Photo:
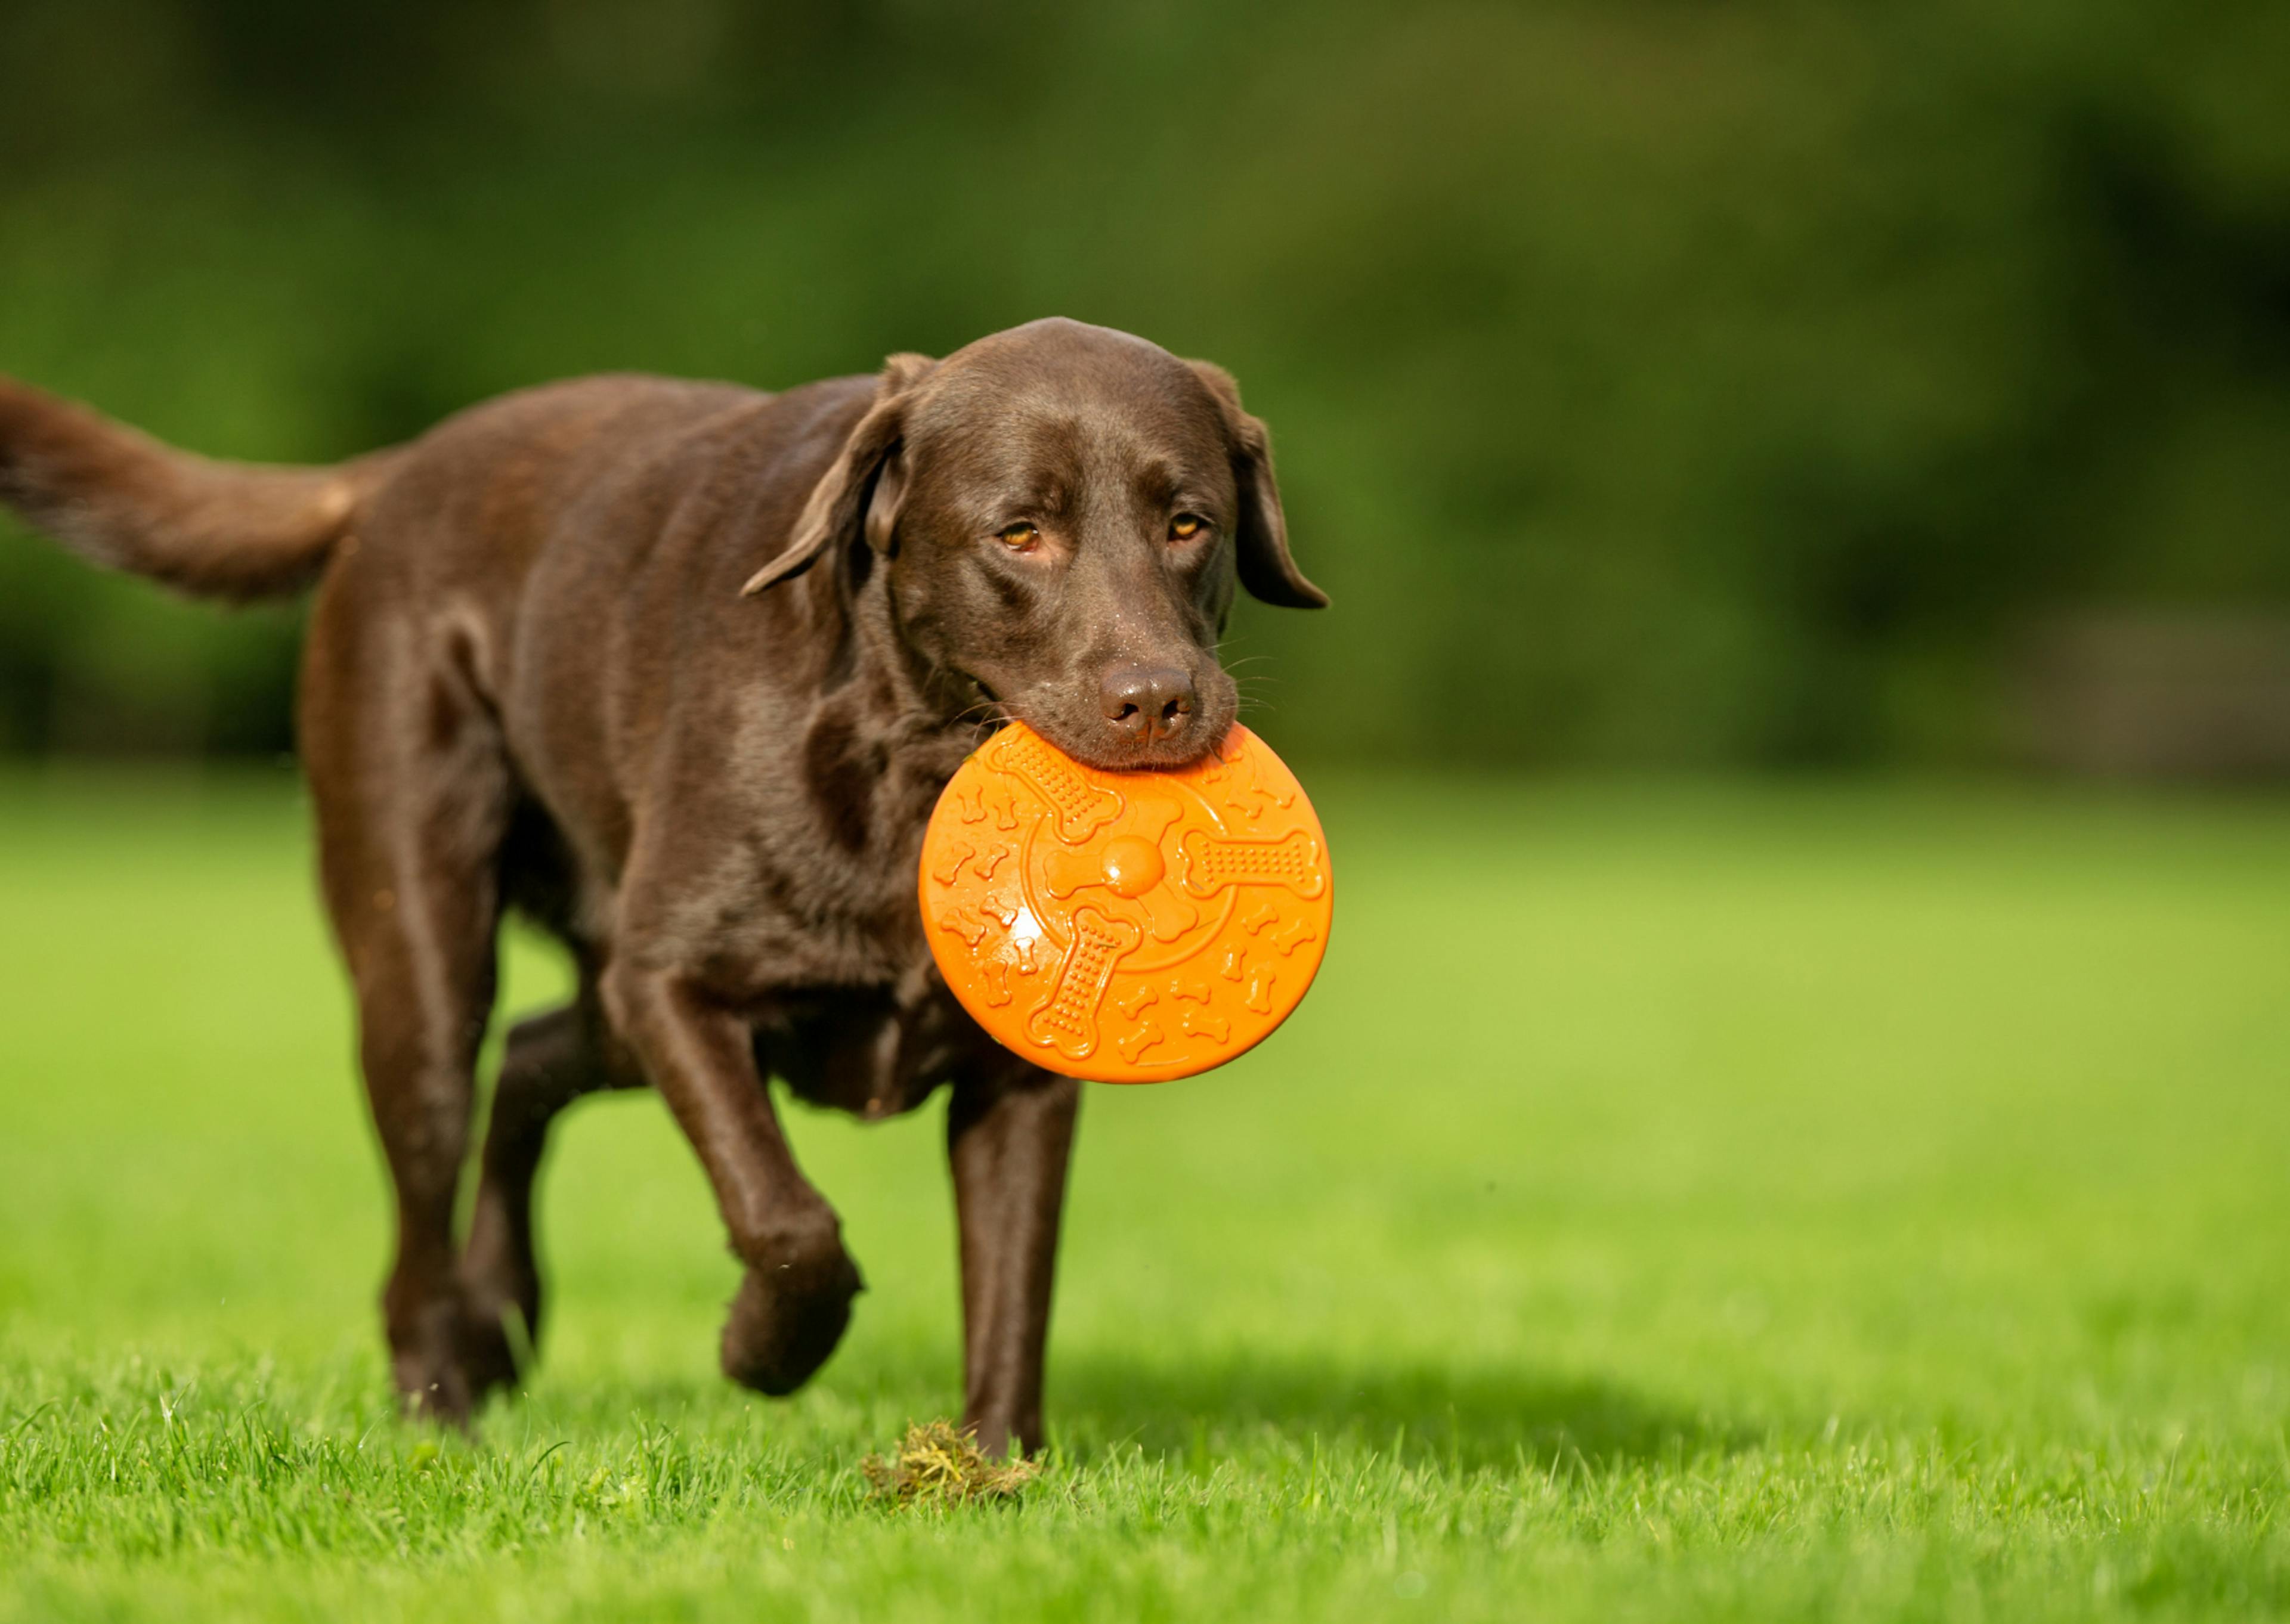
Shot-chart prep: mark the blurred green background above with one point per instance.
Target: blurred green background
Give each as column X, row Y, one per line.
column 1654, row 383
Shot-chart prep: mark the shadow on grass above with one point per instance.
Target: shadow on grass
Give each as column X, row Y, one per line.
column 1459, row 1417
column 1462, row 1417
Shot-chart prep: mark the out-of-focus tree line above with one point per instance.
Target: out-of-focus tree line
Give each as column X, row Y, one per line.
column 1652, row 382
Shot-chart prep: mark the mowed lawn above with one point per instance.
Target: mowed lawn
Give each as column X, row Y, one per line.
column 1760, row 1203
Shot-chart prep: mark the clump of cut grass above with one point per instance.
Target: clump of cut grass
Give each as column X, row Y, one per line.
column 940, row 1464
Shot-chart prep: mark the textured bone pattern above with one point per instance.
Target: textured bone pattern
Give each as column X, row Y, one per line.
column 1292, row 860
column 1082, row 807
column 1070, row 1018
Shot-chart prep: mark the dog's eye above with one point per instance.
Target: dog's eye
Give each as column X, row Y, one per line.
column 1185, row 526
column 1022, row 537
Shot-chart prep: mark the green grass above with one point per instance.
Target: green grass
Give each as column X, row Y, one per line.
column 1789, row 1203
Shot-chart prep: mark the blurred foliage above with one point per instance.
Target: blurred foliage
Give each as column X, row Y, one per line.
column 1654, row 383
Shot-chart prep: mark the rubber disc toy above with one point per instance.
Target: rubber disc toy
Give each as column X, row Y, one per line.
column 1125, row 927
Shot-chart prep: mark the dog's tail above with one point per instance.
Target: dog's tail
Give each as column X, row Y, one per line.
column 229, row 530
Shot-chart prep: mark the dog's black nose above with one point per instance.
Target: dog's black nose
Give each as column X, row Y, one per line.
column 1145, row 704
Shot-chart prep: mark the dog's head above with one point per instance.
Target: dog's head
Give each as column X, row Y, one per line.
column 1063, row 510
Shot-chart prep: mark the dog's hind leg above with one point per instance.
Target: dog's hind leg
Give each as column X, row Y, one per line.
column 412, row 788
column 550, row 1060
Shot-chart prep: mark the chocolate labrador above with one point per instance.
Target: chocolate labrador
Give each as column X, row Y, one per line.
column 678, row 670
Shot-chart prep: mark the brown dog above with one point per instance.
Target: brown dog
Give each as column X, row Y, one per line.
column 679, row 669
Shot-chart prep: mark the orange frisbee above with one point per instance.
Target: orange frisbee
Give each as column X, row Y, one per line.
column 1125, row 927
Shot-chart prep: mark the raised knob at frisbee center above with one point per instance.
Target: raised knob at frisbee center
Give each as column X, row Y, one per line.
column 1131, row 865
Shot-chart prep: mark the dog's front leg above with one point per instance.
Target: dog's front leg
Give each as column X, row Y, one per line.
column 1008, row 1137
column 796, row 1300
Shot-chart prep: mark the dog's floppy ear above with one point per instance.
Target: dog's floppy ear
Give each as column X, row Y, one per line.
column 858, row 493
column 1261, row 545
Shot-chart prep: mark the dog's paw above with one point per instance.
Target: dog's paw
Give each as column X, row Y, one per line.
column 425, row 1362
column 446, row 1358
column 787, row 1317
column 489, row 1351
